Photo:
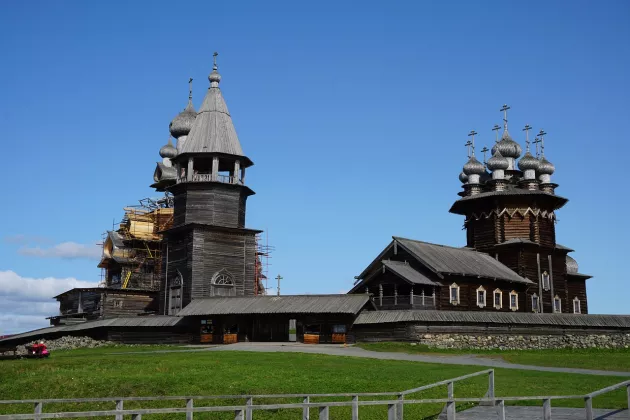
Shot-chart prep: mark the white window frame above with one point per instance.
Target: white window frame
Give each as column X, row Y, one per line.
column 557, row 300
column 450, row 294
column 515, row 306
column 494, row 299
column 485, row 297
column 535, row 298
column 579, row 305
column 546, row 280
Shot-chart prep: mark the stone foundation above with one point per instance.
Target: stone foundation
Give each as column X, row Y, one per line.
column 523, row 342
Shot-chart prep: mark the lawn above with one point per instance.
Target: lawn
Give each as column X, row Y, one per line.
column 601, row 359
column 97, row 373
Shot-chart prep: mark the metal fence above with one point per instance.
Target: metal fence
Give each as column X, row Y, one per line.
column 245, row 411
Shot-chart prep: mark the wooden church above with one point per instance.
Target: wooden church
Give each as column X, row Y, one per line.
column 511, row 261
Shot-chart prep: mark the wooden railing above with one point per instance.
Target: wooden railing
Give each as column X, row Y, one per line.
column 405, row 302
column 245, row 411
column 225, row 179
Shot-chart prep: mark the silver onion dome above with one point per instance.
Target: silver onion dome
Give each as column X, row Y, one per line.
column 527, row 162
column 545, row 167
column 572, row 265
column 474, row 167
column 507, row 146
column 183, row 122
column 168, row 150
column 497, row 161
column 463, row 178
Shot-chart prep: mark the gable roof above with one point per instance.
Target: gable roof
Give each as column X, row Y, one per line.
column 290, row 304
column 213, row 130
column 459, row 261
column 407, row 272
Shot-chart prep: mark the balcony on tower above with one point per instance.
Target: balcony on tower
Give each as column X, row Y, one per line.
column 224, row 169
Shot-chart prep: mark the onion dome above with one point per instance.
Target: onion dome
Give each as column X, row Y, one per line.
column 183, row 122
column 497, row 161
column 545, row 167
column 474, row 167
column 572, row 265
column 528, row 162
column 508, row 147
column 463, row 178
column 168, row 150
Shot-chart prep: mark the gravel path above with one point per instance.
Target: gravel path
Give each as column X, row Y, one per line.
column 337, row 350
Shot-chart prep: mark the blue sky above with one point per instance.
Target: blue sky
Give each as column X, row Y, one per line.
column 355, row 116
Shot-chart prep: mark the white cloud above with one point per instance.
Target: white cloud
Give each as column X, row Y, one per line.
column 25, row 302
column 66, row 250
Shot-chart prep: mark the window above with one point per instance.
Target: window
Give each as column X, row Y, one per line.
column 118, row 303
column 498, row 299
column 513, row 300
column 535, row 303
column 223, row 284
column 339, row 329
column 557, row 304
column 175, row 294
column 454, row 294
column 481, row 297
column 545, row 280
column 577, row 309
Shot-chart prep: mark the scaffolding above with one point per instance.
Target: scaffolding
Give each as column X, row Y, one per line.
column 263, row 253
column 132, row 249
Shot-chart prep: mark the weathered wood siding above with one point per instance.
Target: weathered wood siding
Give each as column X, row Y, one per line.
column 210, row 203
column 468, row 294
column 577, row 288
column 120, row 304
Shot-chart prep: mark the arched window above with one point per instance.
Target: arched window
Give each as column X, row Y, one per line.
column 223, row 284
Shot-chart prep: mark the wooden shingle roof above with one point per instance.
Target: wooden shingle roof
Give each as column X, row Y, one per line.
column 298, row 304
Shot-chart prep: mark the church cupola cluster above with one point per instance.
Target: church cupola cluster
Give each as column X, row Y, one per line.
column 507, row 172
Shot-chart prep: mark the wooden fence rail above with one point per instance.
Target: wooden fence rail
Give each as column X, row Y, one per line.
column 246, row 410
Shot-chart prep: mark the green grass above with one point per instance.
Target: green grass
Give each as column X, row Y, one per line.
column 96, row 373
column 601, row 359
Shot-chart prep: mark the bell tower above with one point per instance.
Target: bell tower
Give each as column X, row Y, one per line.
column 208, row 251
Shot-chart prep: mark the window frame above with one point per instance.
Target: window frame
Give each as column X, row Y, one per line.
column 494, row 299
column 545, row 278
column 536, row 298
column 452, row 287
column 481, row 289
column 557, row 300
column 579, row 305
column 515, row 306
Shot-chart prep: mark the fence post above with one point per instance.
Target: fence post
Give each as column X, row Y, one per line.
column 547, row 409
column 400, row 408
column 38, row 410
column 305, row 410
column 323, row 413
column 355, row 407
column 588, row 405
column 248, row 410
column 491, row 387
column 450, row 405
column 391, row 411
column 189, row 406
column 501, row 409
column 239, row 414
column 628, row 392
column 119, row 406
